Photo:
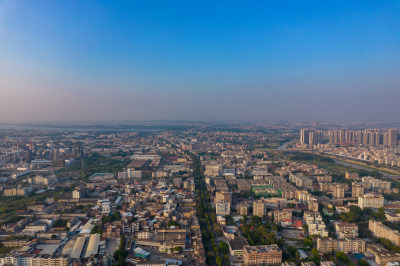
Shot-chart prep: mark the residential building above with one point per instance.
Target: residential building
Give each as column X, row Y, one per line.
column 346, row 245
column 357, row 190
column 382, row 255
column 392, row 137
column 77, row 194
column 301, row 180
column 376, row 183
column 263, row 254
column 380, row 230
column 370, row 201
column 282, row 216
column 338, row 190
column 324, row 179
column 290, row 263
column 236, row 246
column 344, row 229
column 243, row 209
column 212, row 170
column 327, row 263
column 259, row 208
column 351, row 245
column 315, row 224
column 172, row 235
column 223, row 208
column 327, row 245
column 223, row 196
column 351, row 175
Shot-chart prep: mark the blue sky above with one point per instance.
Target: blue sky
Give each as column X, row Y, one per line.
column 199, row 60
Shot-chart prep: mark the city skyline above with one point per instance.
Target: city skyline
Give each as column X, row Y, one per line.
column 129, row 61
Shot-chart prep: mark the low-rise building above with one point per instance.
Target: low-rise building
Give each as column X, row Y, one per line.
column 382, row 255
column 172, row 235
column 357, row 190
column 344, row 229
column 263, row 254
column 327, row 245
column 351, row 245
column 236, row 246
column 346, row 245
column 315, row 224
column 282, row 216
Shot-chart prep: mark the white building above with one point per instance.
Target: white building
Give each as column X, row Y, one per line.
column 77, row 194
column 316, row 225
column 223, row 208
column 370, row 201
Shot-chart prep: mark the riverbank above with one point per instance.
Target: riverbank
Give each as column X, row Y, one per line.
column 360, row 165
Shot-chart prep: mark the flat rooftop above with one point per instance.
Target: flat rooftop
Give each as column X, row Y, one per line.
column 238, row 243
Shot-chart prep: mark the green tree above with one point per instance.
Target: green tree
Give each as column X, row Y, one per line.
column 315, row 254
column 381, row 214
column 305, row 227
column 244, row 220
column 308, row 242
column 121, row 253
column 292, row 251
column 218, row 260
column 96, row 230
column 363, row 263
column 60, row 223
column 389, row 245
column 223, row 247
column 229, row 220
column 341, row 256
column 173, row 223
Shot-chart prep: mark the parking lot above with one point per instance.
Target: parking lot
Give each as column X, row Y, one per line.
column 112, row 245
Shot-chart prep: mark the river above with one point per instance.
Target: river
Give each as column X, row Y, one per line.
column 284, row 145
column 360, row 167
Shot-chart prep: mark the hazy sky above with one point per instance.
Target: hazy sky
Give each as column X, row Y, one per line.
column 199, row 60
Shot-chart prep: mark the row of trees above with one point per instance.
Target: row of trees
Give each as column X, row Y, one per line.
column 222, row 254
column 60, row 223
column 121, row 253
column 389, row 245
column 204, row 212
column 216, row 253
column 96, row 230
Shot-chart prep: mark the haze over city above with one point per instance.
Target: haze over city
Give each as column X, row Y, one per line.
column 184, row 60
